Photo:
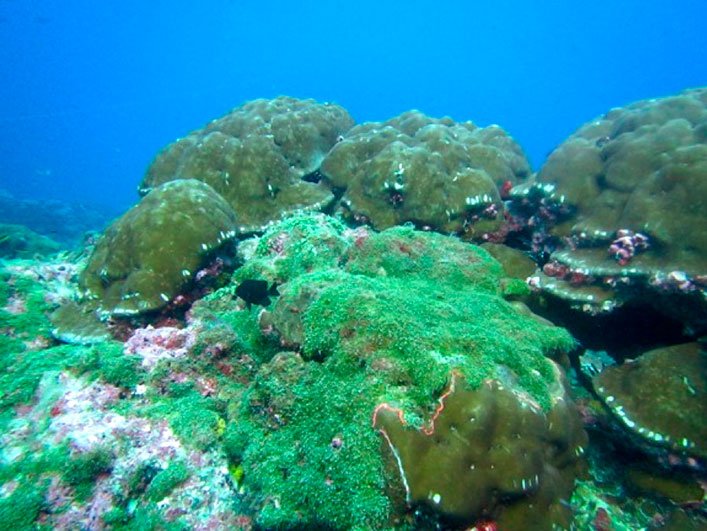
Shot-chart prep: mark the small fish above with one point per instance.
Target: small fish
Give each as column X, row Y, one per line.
column 256, row 292
column 592, row 362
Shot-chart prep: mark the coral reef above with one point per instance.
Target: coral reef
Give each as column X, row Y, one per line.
column 260, row 157
column 436, row 173
column 154, row 250
column 328, row 374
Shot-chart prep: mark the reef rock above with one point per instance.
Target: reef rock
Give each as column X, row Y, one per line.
column 261, row 157
column 436, row 173
column 153, row 251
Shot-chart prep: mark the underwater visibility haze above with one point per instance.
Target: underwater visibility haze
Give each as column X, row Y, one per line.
column 353, row 265
column 91, row 92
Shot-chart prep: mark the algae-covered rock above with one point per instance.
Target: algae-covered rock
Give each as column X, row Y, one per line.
column 24, row 305
column 659, row 399
column 633, row 183
column 393, row 320
column 17, row 241
column 259, row 157
column 153, row 251
column 436, row 173
column 296, row 246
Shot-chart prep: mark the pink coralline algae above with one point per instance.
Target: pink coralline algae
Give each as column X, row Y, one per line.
column 55, row 277
column 155, row 344
column 74, row 411
column 626, row 245
column 212, row 270
column 82, row 417
column 15, row 305
column 679, row 281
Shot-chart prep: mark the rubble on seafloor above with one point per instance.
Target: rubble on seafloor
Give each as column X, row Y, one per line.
column 318, row 372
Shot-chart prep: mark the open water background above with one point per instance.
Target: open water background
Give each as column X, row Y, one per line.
column 91, row 90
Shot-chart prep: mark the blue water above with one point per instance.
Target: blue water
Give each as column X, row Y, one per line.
column 91, row 90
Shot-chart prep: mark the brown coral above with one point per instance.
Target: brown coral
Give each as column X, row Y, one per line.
column 260, row 157
column 436, row 173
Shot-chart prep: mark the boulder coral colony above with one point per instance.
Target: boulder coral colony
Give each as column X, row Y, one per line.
column 306, row 323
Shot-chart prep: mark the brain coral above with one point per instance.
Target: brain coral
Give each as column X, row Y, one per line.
column 149, row 254
column 433, row 172
column 258, row 157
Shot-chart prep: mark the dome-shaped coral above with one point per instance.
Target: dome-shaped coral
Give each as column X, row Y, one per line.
column 149, row 254
column 259, row 157
column 436, row 173
column 634, row 183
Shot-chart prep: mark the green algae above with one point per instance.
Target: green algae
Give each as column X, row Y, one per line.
column 401, row 321
column 28, row 321
column 297, row 245
column 195, row 419
column 403, row 252
column 32, row 475
column 292, row 415
column 136, row 503
column 225, row 322
column 19, row 510
column 33, row 465
column 24, row 370
column 166, row 481
column 82, row 470
column 389, row 319
column 108, row 362
column 145, row 516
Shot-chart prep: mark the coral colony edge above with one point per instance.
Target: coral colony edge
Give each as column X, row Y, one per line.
column 307, row 323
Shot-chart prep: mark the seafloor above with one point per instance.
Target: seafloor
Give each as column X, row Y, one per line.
column 307, row 323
